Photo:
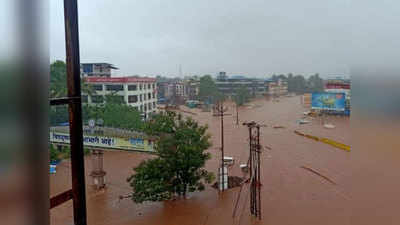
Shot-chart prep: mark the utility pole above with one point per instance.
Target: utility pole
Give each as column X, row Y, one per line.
column 220, row 112
column 255, row 175
column 237, row 115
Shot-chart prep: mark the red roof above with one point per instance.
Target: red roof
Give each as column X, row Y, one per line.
column 119, row 79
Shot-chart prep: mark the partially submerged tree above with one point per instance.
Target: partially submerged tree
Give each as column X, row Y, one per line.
column 208, row 90
column 242, row 95
column 179, row 165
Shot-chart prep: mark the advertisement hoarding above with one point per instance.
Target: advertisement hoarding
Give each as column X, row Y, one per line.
column 328, row 101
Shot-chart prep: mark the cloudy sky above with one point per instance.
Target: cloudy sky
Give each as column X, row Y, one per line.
column 252, row 37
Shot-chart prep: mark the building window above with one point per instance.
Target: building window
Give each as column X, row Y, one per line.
column 149, row 96
column 84, row 98
column 149, row 106
column 132, row 98
column 116, row 98
column 144, row 86
column 149, row 86
column 154, row 104
column 141, row 99
column 140, row 86
column 144, row 97
column 154, row 86
column 145, row 107
column 153, row 95
column 97, row 99
column 115, row 87
column 98, row 87
column 141, row 108
column 132, row 87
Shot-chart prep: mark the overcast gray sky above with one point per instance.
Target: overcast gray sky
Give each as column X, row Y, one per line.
column 249, row 37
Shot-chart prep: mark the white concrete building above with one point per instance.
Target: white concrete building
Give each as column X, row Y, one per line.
column 139, row 92
column 278, row 88
column 97, row 69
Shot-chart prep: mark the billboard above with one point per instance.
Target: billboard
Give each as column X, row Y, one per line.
column 328, row 101
column 129, row 143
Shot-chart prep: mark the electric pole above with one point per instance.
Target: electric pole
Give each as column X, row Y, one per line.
column 220, row 110
column 237, row 115
column 255, row 175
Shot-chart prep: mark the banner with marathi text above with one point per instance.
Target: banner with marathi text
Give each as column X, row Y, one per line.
column 129, row 143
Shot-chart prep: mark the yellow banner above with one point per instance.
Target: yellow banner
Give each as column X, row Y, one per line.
column 129, row 143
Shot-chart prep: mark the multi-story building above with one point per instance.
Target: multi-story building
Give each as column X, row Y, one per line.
column 97, row 69
column 338, row 85
column 229, row 85
column 139, row 92
column 192, row 89
column 175, row 92
column 277, row 88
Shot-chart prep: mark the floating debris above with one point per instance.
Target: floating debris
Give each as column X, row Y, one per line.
column 277, row 127
column 244, row 167
column 233, row 181
column 267, row 147
column 326, row 141
column 303, row 121
column 329, row 126
column 318, row 173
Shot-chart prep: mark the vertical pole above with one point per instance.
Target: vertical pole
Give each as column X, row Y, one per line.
column 237, row 115
column 251, row 170
column 258, row 172
column 222, row 144
column 75, row 111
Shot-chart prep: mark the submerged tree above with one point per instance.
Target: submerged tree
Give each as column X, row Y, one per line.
column 179, row 165
column 242, row 95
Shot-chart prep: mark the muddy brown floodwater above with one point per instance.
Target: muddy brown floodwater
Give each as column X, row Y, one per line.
column 363, row 192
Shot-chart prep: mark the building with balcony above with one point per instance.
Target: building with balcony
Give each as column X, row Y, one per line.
column 138, row 92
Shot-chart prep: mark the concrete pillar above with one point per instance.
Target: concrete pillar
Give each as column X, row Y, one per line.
column 98, row 174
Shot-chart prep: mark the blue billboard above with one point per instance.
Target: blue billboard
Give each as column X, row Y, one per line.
column 328, row 101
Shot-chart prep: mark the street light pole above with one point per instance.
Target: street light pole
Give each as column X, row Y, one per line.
column 221, row 110
column 237, row 115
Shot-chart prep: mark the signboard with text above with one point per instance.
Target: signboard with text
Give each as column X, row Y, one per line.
column 129, row 143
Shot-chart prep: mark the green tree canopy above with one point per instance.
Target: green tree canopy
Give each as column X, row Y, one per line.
column 179, row 166
column 315, row 83
column 114, row 112
column 242, row 95
column 208, row 90
column 58, row 79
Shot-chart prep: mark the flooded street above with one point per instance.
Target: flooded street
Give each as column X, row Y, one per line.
column 290, row 194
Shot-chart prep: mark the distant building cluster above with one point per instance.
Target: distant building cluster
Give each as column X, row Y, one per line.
column 230, row 85
column 145, row 93
column 176, row 91
column 255, row 86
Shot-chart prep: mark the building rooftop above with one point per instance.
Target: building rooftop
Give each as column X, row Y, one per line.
column 119, row 79
column 108, row 65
